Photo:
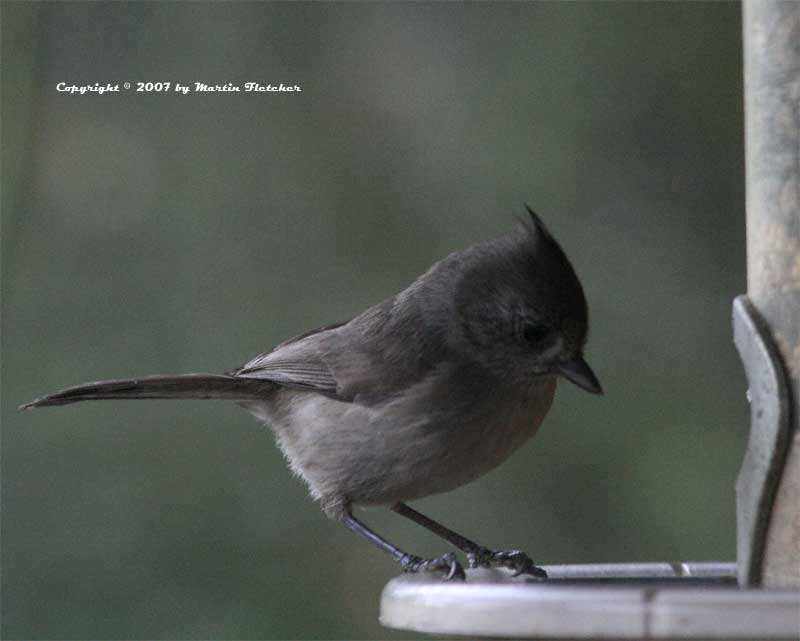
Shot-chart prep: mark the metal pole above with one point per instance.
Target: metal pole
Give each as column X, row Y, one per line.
column 772, row 142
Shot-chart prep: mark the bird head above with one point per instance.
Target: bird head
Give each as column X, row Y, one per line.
column 521, row 309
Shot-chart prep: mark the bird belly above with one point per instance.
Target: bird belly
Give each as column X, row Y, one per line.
column 350, row 453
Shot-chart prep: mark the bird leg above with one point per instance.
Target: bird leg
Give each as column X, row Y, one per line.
column 446, row 563
column 477, row 555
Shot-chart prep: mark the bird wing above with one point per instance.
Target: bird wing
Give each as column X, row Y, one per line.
column 296, row 363
column 367, row 360
column 297, row 374
column 379, row 354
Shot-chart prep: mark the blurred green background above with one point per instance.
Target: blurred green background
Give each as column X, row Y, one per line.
column 151, row 233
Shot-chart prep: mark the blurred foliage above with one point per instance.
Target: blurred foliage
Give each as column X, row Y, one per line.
column 168, row 233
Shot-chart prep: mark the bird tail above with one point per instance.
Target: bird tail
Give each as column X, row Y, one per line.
column 186, row 386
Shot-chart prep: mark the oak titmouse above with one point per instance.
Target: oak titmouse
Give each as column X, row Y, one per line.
column 419, row 394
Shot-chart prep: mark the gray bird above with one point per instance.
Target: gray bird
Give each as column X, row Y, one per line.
column 418, row 394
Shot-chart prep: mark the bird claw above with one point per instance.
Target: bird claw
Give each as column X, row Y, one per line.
column 446, row 563
column 515, row 560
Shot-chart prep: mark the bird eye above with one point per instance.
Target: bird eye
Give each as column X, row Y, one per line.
column 534, row 332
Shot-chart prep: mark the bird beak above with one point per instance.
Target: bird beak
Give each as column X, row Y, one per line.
column 578, row 371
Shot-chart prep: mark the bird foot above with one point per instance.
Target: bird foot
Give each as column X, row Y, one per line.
column 446, row 563
column 515, row 560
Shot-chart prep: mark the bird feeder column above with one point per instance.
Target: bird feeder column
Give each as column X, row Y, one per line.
column 772, row 142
